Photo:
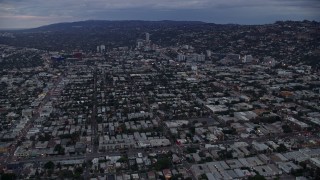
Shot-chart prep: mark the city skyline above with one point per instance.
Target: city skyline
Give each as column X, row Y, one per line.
column 35, row 13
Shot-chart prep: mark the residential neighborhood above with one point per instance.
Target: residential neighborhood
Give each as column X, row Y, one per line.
column 187, row 111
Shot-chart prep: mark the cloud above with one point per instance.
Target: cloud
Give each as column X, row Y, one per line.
column 68, row 10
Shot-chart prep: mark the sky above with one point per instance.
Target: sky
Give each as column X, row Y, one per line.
column 35, row 13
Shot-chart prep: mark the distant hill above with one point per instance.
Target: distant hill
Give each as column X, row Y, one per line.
column 86, row 35
column 104, row 24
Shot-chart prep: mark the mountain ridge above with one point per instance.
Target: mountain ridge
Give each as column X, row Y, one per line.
column 90, row 24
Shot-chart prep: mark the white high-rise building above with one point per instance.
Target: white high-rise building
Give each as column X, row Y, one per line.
column 139, row 43
column 269, row 61
column 181, row 57
column 98, row 48
column 201, row 57
column 209, row 53
column 102, row 48
column 147, row 37
column 247, row 59
column 186, row 47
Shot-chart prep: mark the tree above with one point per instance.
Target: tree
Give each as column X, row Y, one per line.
column 191, row 150
column 78, row 171
column 282, row 148
column 209, row 159
column 49, row 165
column 45, row 137
column 123, row 128
column 59, row 149
column 49, row 172
column 162, row 163
column 201, row 154
column 134, row 167
column 37, row 173
column 65, row 174
column 32, row 138
column 195, row 121
column 203, row 176
column 184, row 126
column 192, row 129
column 59, row 165
column 122, row 159
column 225, row 154
column 177, row 177
column 229, row 131
column 8, row 176
column 298, row 172
column 286, row 129
column 101, row 170
column 257, row 177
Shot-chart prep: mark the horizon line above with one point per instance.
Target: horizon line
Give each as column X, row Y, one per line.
column 205, row 22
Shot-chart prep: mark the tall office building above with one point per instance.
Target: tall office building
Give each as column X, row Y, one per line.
column 147, row 37
column 139, row 43
column 181, row 57
column 201, row 57
column 209, row 53
column 247, row 59
column 102, row 48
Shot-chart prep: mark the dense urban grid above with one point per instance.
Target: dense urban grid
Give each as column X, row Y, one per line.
column 179, row 101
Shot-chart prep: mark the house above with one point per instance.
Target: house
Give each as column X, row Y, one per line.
column 27, row 113
column 151, row 175
column 80, row 147
column 135, row 176
column 199, row 169
column 287, row 167
column 297, row 123
column 4, row 147
column 45, row 112
column 264, row 170
column 160, row 142
column 210, row 176
column 175, row 158
column 167, row 173
column 259, row 147
column 238, row 127
column 265, row 159
column 41, row 145
column 196, row 157
column 234, row 163
column 21, row 152
column 315, row 162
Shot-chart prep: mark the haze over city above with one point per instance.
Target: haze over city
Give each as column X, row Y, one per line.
column 35, row 13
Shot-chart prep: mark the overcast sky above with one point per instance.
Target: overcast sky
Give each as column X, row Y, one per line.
column 34, row 13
